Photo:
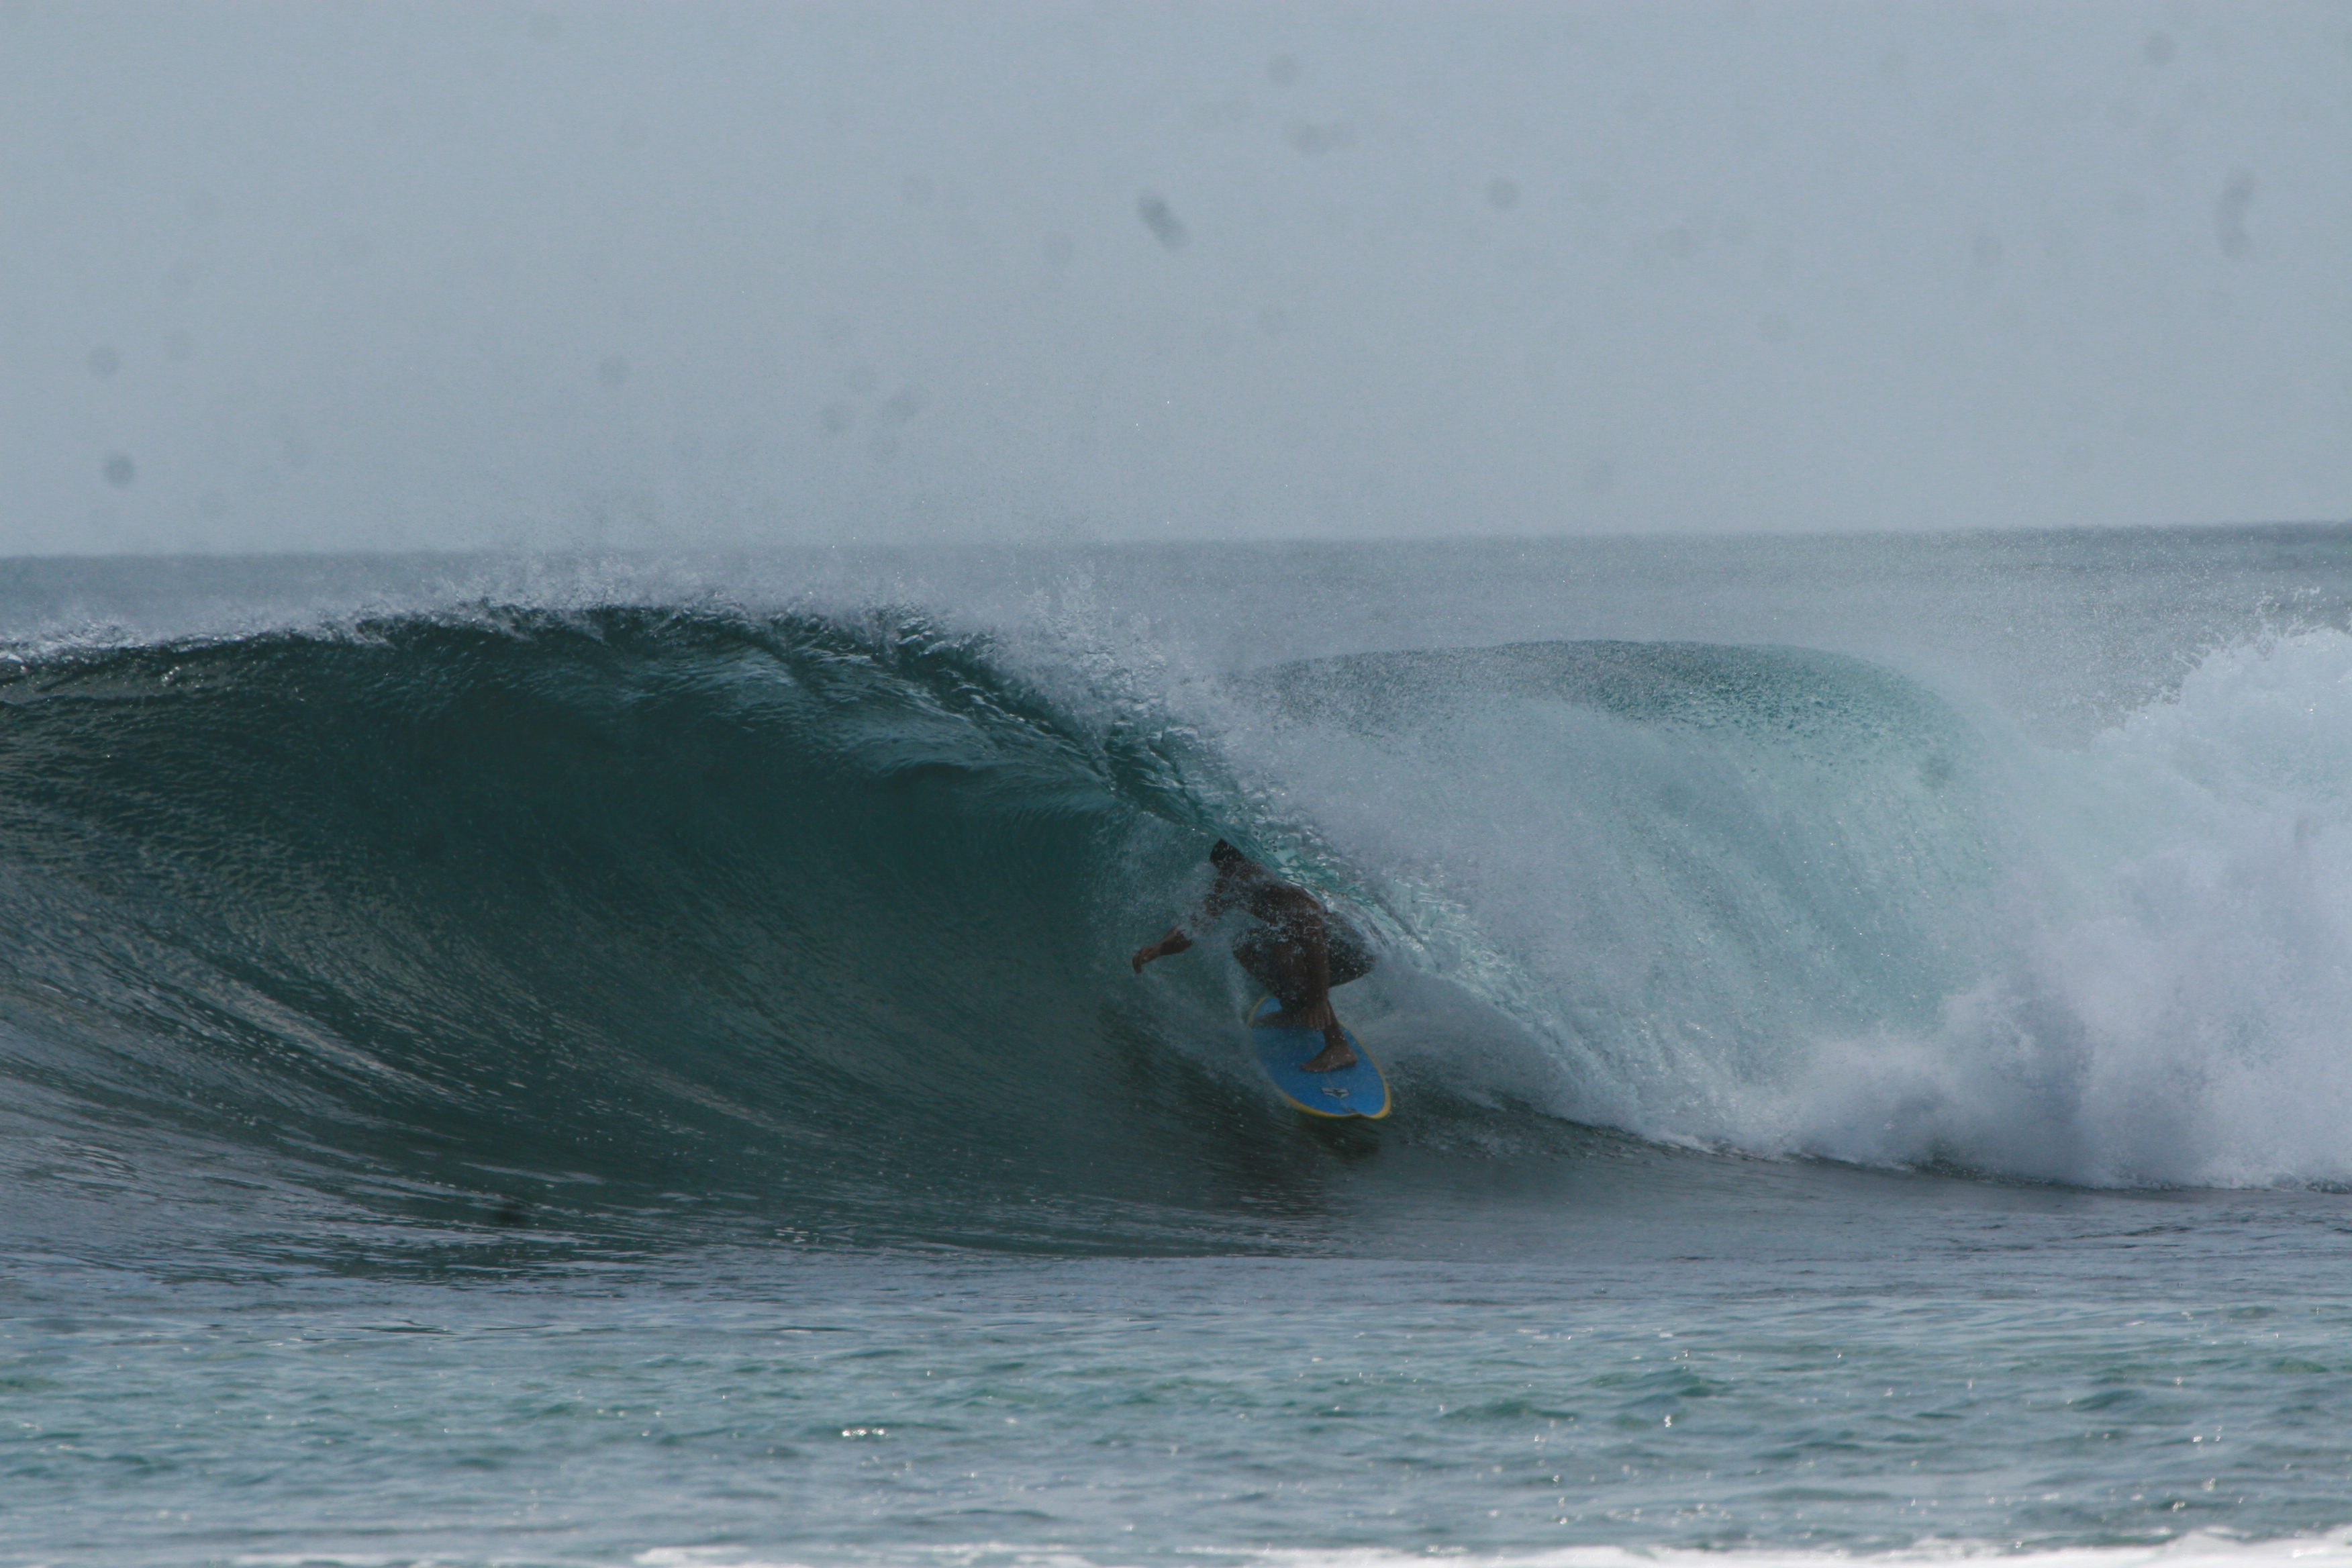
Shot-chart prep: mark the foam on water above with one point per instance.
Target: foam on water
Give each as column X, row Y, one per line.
column 2196, row 1549
column 2174, row 961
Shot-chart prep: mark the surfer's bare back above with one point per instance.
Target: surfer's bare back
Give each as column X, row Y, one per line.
column 1297, row 954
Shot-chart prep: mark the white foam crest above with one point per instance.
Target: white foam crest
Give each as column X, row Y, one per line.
column 2204, row 1551
column 2175, row 999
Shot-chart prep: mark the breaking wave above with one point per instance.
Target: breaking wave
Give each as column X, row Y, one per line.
column 820, row 924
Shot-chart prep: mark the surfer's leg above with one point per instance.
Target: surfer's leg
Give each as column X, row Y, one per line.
column 1347, row 957
column 1282, row 968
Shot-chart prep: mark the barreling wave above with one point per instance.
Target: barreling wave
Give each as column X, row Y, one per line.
column 623, row 907
column 820, row 924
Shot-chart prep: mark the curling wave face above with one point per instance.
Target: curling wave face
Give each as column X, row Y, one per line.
column 820, row 924
column 619, row 908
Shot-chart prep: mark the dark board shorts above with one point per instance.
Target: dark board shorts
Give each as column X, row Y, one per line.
column 1351, row 957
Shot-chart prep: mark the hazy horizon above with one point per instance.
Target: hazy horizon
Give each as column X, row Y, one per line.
column 455, row 277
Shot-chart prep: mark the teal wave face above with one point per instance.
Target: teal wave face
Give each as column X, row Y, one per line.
column 820, row 924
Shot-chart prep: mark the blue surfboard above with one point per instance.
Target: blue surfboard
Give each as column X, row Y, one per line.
column 1358, row 1091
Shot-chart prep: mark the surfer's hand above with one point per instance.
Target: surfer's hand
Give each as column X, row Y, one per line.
column 1174, row 942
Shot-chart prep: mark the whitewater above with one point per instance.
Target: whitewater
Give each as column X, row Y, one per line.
column 633, row 1059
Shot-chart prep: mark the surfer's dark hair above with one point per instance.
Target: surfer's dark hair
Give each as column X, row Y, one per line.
column 1223, row 854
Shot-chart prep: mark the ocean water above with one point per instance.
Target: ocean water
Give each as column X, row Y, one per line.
column 631, row 1060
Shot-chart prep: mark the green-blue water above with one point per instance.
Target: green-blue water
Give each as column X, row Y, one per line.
column 634, row 1061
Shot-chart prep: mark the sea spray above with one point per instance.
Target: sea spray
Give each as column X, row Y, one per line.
column 2172, row 1006
column 1787, row 902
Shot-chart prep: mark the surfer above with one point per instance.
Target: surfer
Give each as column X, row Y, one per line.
column 1299, row 954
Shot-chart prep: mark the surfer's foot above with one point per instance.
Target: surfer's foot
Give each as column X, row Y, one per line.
column 1330, row 1058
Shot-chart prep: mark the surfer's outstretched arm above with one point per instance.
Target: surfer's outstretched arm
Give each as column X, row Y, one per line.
column 1178, row 938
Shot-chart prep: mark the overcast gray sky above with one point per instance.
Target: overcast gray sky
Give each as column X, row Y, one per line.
column 328, row 276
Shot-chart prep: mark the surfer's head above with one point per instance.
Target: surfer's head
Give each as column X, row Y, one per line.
column 1224, row 857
